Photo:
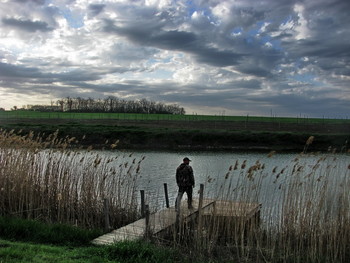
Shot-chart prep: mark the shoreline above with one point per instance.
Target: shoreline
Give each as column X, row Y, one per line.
column 147, row 136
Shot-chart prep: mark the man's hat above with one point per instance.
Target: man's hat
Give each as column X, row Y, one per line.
column 186, row 159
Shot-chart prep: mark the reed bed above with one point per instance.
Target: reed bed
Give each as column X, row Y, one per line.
column 305, row 214
column 45, row 177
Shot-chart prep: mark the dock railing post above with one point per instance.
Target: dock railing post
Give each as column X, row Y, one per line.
column 142, row 192
column 166, row 195
column 200, row 205
column 106, row 213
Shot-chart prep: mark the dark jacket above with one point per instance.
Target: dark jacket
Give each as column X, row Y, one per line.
column 184, row 175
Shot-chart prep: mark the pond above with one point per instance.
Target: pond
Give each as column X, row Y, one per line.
column 270, row 179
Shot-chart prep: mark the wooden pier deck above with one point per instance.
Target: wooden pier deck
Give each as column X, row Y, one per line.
column 166, row 218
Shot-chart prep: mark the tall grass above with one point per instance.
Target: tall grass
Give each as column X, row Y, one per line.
column 305, row 204
column 43, row 177
column 305, row 214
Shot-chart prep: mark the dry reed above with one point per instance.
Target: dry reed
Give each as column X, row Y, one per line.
column 305, row 204
column 304, row 217
column 43, row 177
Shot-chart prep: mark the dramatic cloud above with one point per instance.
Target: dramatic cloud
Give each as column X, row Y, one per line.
column 26, row 25
column 289, row 58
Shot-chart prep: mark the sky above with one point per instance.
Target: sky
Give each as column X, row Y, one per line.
column 281, row 58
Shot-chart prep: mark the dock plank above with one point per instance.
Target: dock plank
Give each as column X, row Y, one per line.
column 158, row 221
column 166, row 218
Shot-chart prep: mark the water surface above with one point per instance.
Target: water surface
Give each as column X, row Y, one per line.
column 272, row 179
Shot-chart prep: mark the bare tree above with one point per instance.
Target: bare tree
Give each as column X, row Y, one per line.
column 114, row 104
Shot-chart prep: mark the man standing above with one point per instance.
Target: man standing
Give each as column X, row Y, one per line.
column 185, row 182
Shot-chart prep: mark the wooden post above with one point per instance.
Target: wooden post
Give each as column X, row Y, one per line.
column 200, row 205
column 106, row 213
column 166, row 195
column 142, row 202
column 147, row 228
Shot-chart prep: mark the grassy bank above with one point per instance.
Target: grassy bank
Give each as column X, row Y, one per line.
column 175, row 138
column 174, row 132
column 20, row 114
column 32, row 241
column 126, row 252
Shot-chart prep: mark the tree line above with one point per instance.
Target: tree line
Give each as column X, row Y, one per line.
column 110, row 104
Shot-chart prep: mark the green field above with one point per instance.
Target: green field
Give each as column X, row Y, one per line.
column 174, row 132
column 159, row 117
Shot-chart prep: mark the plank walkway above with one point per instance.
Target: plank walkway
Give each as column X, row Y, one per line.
column 158, row 222
column 166, row 218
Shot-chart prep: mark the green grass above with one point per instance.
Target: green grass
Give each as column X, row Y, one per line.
column 126, row 252
column 13, row 228
column 33, row 241
column 160, row 117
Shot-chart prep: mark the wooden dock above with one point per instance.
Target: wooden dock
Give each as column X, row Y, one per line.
column 166, row 218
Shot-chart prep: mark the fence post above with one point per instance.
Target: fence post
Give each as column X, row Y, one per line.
column 166, row 195
column 106, row 214
column 142, row 202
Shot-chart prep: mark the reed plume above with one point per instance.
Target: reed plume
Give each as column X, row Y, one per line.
column 45, row 177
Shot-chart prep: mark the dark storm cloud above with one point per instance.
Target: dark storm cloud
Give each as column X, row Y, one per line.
column 79, row 75
column 30, row 78
column 329, row 32
column 252, row 84
column 152, row 35
column 211, row 56
column 95, row 9
column 296, row 105
column 320, row 48
column 27, row 25
column 38, row 2
column 78, row 78
column 11, row 71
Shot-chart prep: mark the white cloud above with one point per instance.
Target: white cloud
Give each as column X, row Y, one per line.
column 302, row 25
column 210, row 56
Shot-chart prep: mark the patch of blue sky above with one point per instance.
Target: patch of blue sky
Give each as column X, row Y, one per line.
column 152, row 61
column 255, row 30
column 301, row 62
column 307, row 78
column 160, row 74
column 276, row 44
column 287, row 20
column 74, row 20
column 192, row 7
column 273, row 43
column 255, row 35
